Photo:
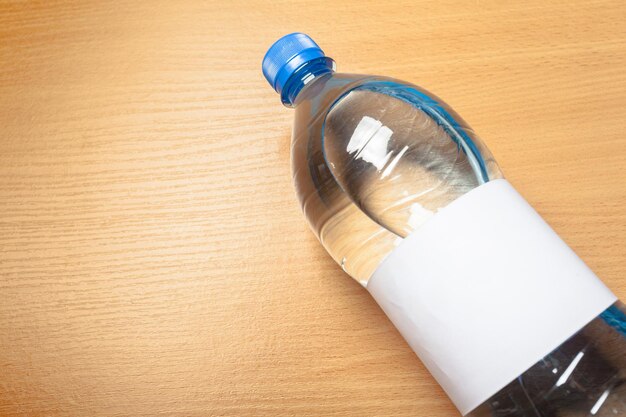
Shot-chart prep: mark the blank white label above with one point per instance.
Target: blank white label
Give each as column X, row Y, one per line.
column 484, row 290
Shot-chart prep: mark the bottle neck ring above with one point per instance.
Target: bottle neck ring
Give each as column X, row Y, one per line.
column 304, row 75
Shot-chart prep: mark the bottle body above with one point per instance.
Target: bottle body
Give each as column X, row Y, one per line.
column 363, row 193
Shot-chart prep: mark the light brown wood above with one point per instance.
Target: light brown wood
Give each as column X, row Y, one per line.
column 153, row 258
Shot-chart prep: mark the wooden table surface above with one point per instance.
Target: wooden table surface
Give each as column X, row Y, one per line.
column 153, row 257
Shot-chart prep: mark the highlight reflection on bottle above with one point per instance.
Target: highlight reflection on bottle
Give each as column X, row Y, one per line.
column 409, row 201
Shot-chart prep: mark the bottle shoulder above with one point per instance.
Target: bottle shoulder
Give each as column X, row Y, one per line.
column 317, row 98
column 330, row 87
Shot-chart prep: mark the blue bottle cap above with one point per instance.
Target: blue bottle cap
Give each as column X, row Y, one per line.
column 286, row 55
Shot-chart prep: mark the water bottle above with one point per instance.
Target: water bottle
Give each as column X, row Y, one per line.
column 409, row 202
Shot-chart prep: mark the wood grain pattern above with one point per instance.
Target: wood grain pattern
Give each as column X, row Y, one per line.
column 153, row 258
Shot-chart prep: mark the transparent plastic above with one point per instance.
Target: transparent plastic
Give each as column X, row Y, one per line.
column 372, row 159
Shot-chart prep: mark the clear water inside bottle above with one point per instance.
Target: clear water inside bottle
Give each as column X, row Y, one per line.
column 373, row 159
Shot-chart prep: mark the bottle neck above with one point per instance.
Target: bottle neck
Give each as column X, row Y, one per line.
column 303, row 76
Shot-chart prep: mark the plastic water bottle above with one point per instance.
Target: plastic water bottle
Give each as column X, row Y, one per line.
column 409, row 201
